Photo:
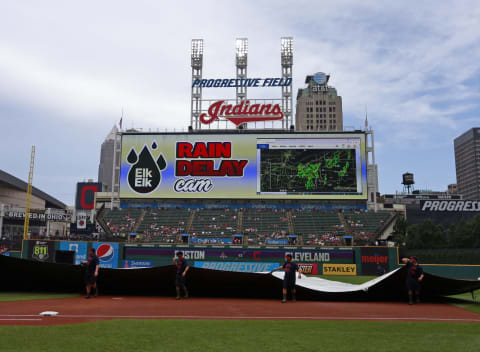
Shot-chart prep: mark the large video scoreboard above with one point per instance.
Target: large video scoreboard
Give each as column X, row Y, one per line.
column 244, row 166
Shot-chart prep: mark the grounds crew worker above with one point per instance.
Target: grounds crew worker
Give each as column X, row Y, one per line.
column 91, row 272
column 182, row 268
column 289, row 278
column 414, row 278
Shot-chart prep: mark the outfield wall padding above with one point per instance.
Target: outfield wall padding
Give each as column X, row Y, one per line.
column 26, row 275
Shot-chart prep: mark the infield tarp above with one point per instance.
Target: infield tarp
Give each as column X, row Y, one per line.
column 25, row 275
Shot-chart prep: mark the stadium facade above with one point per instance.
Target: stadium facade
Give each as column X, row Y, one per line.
column 49, row 217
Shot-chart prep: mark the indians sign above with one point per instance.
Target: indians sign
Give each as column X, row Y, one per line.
column 242, row 113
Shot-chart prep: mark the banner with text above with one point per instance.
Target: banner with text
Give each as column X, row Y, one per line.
column 42, row 251
column 340, row 269
column 137, row 264
column 245, row 267
column 374, row 260
column 309, row 269
column 242, row 254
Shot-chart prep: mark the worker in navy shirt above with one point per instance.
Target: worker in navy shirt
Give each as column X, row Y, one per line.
column 414, row 278
column 180, row 278
column 289, row 278
column 91, row 272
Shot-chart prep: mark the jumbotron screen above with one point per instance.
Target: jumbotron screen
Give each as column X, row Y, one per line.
column 244, row 166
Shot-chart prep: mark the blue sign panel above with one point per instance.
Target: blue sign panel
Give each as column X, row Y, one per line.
column 137, row 264
column 276, row 241
column 80, row 249
column 107, row 254
column 245, row 267
column 196, row 240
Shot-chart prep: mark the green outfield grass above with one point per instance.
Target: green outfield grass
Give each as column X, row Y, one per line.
column 26, row 296
column 214, row 335
column 466, row 301
column 348, row 279
column 463, row 300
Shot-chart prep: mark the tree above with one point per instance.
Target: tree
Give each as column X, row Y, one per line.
column 426, row 235
column 399, row 234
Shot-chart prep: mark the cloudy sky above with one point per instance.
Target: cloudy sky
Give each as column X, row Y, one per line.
column 67, row 68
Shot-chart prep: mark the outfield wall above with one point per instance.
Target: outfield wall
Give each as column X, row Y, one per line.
column 313, row 260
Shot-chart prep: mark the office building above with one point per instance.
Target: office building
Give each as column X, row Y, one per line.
column 319, row 107
column 467, row 163
column 105, row 168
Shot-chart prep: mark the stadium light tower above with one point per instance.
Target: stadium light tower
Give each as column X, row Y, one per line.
column 241, row 61
column 197, row 67
column 286, row 49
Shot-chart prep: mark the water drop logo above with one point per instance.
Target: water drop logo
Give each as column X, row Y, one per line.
column 145, row 174
column 105, row 252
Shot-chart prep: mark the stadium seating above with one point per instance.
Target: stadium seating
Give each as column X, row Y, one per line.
column 260, row 224
column 318, row 227
column 218, row 223
column 121, row 220
column 314, row 227
column 163, row 225
column 365, row 225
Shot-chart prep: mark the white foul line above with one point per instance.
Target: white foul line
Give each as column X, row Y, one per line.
column 206, row 317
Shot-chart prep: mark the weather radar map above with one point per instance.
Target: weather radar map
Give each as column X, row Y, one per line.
column 310, row 171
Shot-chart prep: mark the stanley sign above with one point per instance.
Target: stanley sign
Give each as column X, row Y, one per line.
column 339, row 269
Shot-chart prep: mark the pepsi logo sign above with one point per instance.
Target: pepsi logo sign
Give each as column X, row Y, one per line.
column 105, row 252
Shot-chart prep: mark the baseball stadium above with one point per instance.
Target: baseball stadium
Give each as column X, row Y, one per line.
column 244, row 232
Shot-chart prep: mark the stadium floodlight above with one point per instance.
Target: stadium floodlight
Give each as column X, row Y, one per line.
column 241, row 47
column 286, row 59
column 197, row 68
column 286, row 44
column 197, row 48
column 241, row 62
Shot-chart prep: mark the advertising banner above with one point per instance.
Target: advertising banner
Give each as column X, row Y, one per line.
column 340, row 269
column 196, row 240
column 243, row 254
column 245, row 267
column 85, row 196
column 373, row 259
column 107, row 254
column 276, row 241
column 321, row 256
column 309, row 269
column 80, row 249
column 137, row 264
column 42, row 251
column 39, row 215
column 252, row 166
column 450, row 205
